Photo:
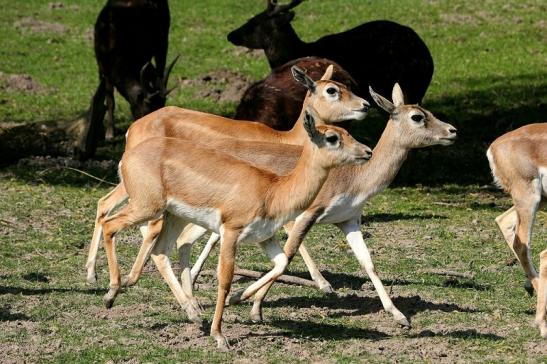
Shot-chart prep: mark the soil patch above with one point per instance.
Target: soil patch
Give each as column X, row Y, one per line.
column 38, row 26
column 222, row 86
column 20, row 83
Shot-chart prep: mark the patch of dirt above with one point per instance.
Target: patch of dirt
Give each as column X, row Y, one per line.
column 255, row 53
column 32, row 25
column 459, row 19
column 222, row 86
column 20, row 83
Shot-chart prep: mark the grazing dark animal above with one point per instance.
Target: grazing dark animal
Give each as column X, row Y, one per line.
column 378, row 53
column 277, row 100
column 128, row 34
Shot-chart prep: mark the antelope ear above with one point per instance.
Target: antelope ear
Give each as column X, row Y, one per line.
column 397, row 95
column 309, row 124
column 328, row 73
column 381, row 101
column 301, row 77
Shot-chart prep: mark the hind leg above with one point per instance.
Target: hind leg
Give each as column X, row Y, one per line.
column 171, row 229
column 128, row 216
column 526, row 204
column 150, row 234
column 104, row 207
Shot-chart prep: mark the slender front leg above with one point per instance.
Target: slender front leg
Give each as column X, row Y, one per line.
column 150, row 234
column 225, row 274
column 316, row 275
column 198, row 265
column 104, row 207
column 189, row 236
column 171, row 229
column 541, row 309
column 184, row 247
column 300, row 228
column 273, row 250
column 128, row 216
column 354, row 237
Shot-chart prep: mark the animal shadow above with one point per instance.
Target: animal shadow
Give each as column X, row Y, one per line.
column 359, row 305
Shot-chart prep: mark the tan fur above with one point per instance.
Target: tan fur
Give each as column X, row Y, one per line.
column 154, row 174
column 518, row 161
column 399, row 137
column 193, row 125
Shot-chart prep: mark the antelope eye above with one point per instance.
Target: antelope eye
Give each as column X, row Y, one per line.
column 333, row 138
column 331, row 90
column 417, row 118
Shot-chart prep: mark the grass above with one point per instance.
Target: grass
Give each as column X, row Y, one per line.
column 489, row 78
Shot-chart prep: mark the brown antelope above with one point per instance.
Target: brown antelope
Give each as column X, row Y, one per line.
column 276, row 100
column 518, row 161
column 331, row 101
column 206, row 188
column 376, row 53
column 343, row 196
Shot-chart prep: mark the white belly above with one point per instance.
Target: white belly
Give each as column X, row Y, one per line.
column 260, row 229
column 342, row 208
column 206, row 217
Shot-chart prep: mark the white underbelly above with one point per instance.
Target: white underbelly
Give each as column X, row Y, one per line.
column 342, row 208
column 206, row 217
column 260, row 229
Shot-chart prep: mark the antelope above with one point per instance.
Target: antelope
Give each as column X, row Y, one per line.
column 128, row 34
column 377, row 53
column 343, row 196
column 331, row 101
column 206, row 188
column 276, row 101
column 340, row 201
column 518, row 161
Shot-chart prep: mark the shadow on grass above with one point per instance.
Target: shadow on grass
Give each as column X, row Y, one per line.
column 40, row 291
column 309, row 329
column 351, row 281
column 387, row 217
column 484, row 109
column 469, row 334
column 6, row 315
column 367, row 305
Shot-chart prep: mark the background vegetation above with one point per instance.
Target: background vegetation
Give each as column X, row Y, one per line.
column 490, row 61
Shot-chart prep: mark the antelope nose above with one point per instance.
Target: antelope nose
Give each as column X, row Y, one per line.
column 367, row 153
column 452, row 130
column 366, row 106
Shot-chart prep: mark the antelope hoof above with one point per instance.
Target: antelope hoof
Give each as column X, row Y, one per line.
column 235, row 298
column 257, row 317
column 222, row 342
column 91, row 278
column 193, row 310
column 128, row 281
column 403, row 321
column 542, row 325
column 109, row 298
column 327, row 288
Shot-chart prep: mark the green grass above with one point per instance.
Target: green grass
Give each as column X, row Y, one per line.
column 489, row 78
